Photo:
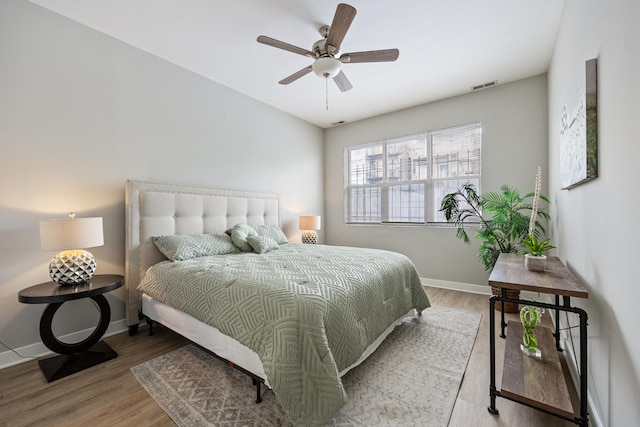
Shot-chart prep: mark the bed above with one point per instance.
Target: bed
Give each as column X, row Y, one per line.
column 295, row 317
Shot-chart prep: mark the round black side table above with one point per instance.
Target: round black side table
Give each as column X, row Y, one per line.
column 81, row 355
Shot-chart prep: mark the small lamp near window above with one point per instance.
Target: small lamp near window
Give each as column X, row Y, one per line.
column 73, row 265
column 310, row 223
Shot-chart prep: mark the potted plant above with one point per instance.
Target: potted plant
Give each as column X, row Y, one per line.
column 504, row 220
column 534, row 258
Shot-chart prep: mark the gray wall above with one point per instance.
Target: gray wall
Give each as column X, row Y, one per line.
column 80, row 113
column 514, row 144
column 596, row 225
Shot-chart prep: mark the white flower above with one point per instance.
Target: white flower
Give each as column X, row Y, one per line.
column 536, row 201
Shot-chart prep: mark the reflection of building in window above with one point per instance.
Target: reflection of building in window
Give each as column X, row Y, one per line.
column 393, row 170
column 419, row 168
column 404, row 179
column 374, row 174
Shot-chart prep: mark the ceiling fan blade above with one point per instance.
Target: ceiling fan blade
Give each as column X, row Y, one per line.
column 385, row 55
column 341, row 22
column 295, row 76
column 343, row 82
column 285, row 46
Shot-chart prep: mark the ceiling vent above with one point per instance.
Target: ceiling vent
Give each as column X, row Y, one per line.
column 341, row 122
column 484, row 85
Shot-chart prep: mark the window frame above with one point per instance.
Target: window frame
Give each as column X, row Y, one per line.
column 430, row 218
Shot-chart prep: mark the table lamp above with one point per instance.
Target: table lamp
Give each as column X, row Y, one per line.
column 309, row 223
column 73, row 265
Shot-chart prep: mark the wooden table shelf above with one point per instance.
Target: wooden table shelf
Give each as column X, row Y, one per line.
column 537, row 382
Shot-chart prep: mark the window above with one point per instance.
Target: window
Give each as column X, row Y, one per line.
column 403, row 180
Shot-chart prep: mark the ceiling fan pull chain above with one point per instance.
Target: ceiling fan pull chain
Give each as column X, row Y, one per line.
column 326, row 92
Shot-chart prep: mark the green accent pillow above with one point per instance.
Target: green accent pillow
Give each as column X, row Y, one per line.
column 272, row 231
column 262, row 244
column 239, row 235
column 180, row 247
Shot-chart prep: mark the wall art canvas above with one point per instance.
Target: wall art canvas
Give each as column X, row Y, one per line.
column 579, row 130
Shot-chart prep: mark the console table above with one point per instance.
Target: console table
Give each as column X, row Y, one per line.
column 537, row 382
column 86, row 353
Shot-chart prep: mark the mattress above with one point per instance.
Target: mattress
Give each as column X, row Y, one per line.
column 309, row 312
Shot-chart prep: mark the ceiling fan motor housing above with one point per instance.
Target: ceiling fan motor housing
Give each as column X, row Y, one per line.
column 321, row 49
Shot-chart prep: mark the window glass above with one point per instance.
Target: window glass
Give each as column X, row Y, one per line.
column 366, row 165
column 403, row 180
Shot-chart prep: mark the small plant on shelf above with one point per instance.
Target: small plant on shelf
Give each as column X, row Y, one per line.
column 535, row 260
column 536, row 247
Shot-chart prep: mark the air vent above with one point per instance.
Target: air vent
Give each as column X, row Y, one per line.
column 341, row 122
column 484, row 85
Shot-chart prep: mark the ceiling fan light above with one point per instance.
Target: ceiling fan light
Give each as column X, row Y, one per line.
column 327, row 67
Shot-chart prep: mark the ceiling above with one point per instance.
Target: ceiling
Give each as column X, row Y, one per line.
column 446, row 47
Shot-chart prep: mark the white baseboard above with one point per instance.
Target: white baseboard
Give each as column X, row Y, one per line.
column 471, row 288
column 38, row 350
column 457, row 286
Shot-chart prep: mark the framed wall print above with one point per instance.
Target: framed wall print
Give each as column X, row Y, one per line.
column 579, row 130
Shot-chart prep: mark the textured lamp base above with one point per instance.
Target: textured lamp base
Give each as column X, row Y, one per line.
column 72, row 267
column 310, row 237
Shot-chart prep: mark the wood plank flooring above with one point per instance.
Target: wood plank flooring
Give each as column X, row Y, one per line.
column 473, row 398
column 109, row 395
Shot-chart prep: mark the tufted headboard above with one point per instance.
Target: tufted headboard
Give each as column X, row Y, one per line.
column 155, row 209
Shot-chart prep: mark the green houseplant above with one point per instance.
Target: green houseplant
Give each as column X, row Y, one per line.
column 536, row 247
column 535, row 260
column 502, row 219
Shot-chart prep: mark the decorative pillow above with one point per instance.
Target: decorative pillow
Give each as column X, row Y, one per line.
column 262, row 244
column 272, row 231
column 180, row 247
column 239, row 235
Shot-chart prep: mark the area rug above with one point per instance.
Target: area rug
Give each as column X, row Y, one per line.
column 412, row 379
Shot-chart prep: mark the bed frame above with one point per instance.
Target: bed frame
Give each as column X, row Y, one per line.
column 154, row 209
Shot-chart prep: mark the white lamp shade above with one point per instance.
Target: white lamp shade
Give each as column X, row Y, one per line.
column 310, row 222
column 68, row 233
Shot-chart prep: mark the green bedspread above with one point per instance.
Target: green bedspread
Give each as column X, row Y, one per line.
column 308, row 311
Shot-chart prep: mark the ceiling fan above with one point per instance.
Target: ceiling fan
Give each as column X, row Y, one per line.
column 326, row 53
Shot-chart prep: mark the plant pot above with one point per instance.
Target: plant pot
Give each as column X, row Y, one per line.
column 509, row 307
column 535, row 263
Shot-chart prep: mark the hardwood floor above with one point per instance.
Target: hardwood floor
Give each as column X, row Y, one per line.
column 109, row 395
column 104, row 395
column 473, row 398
